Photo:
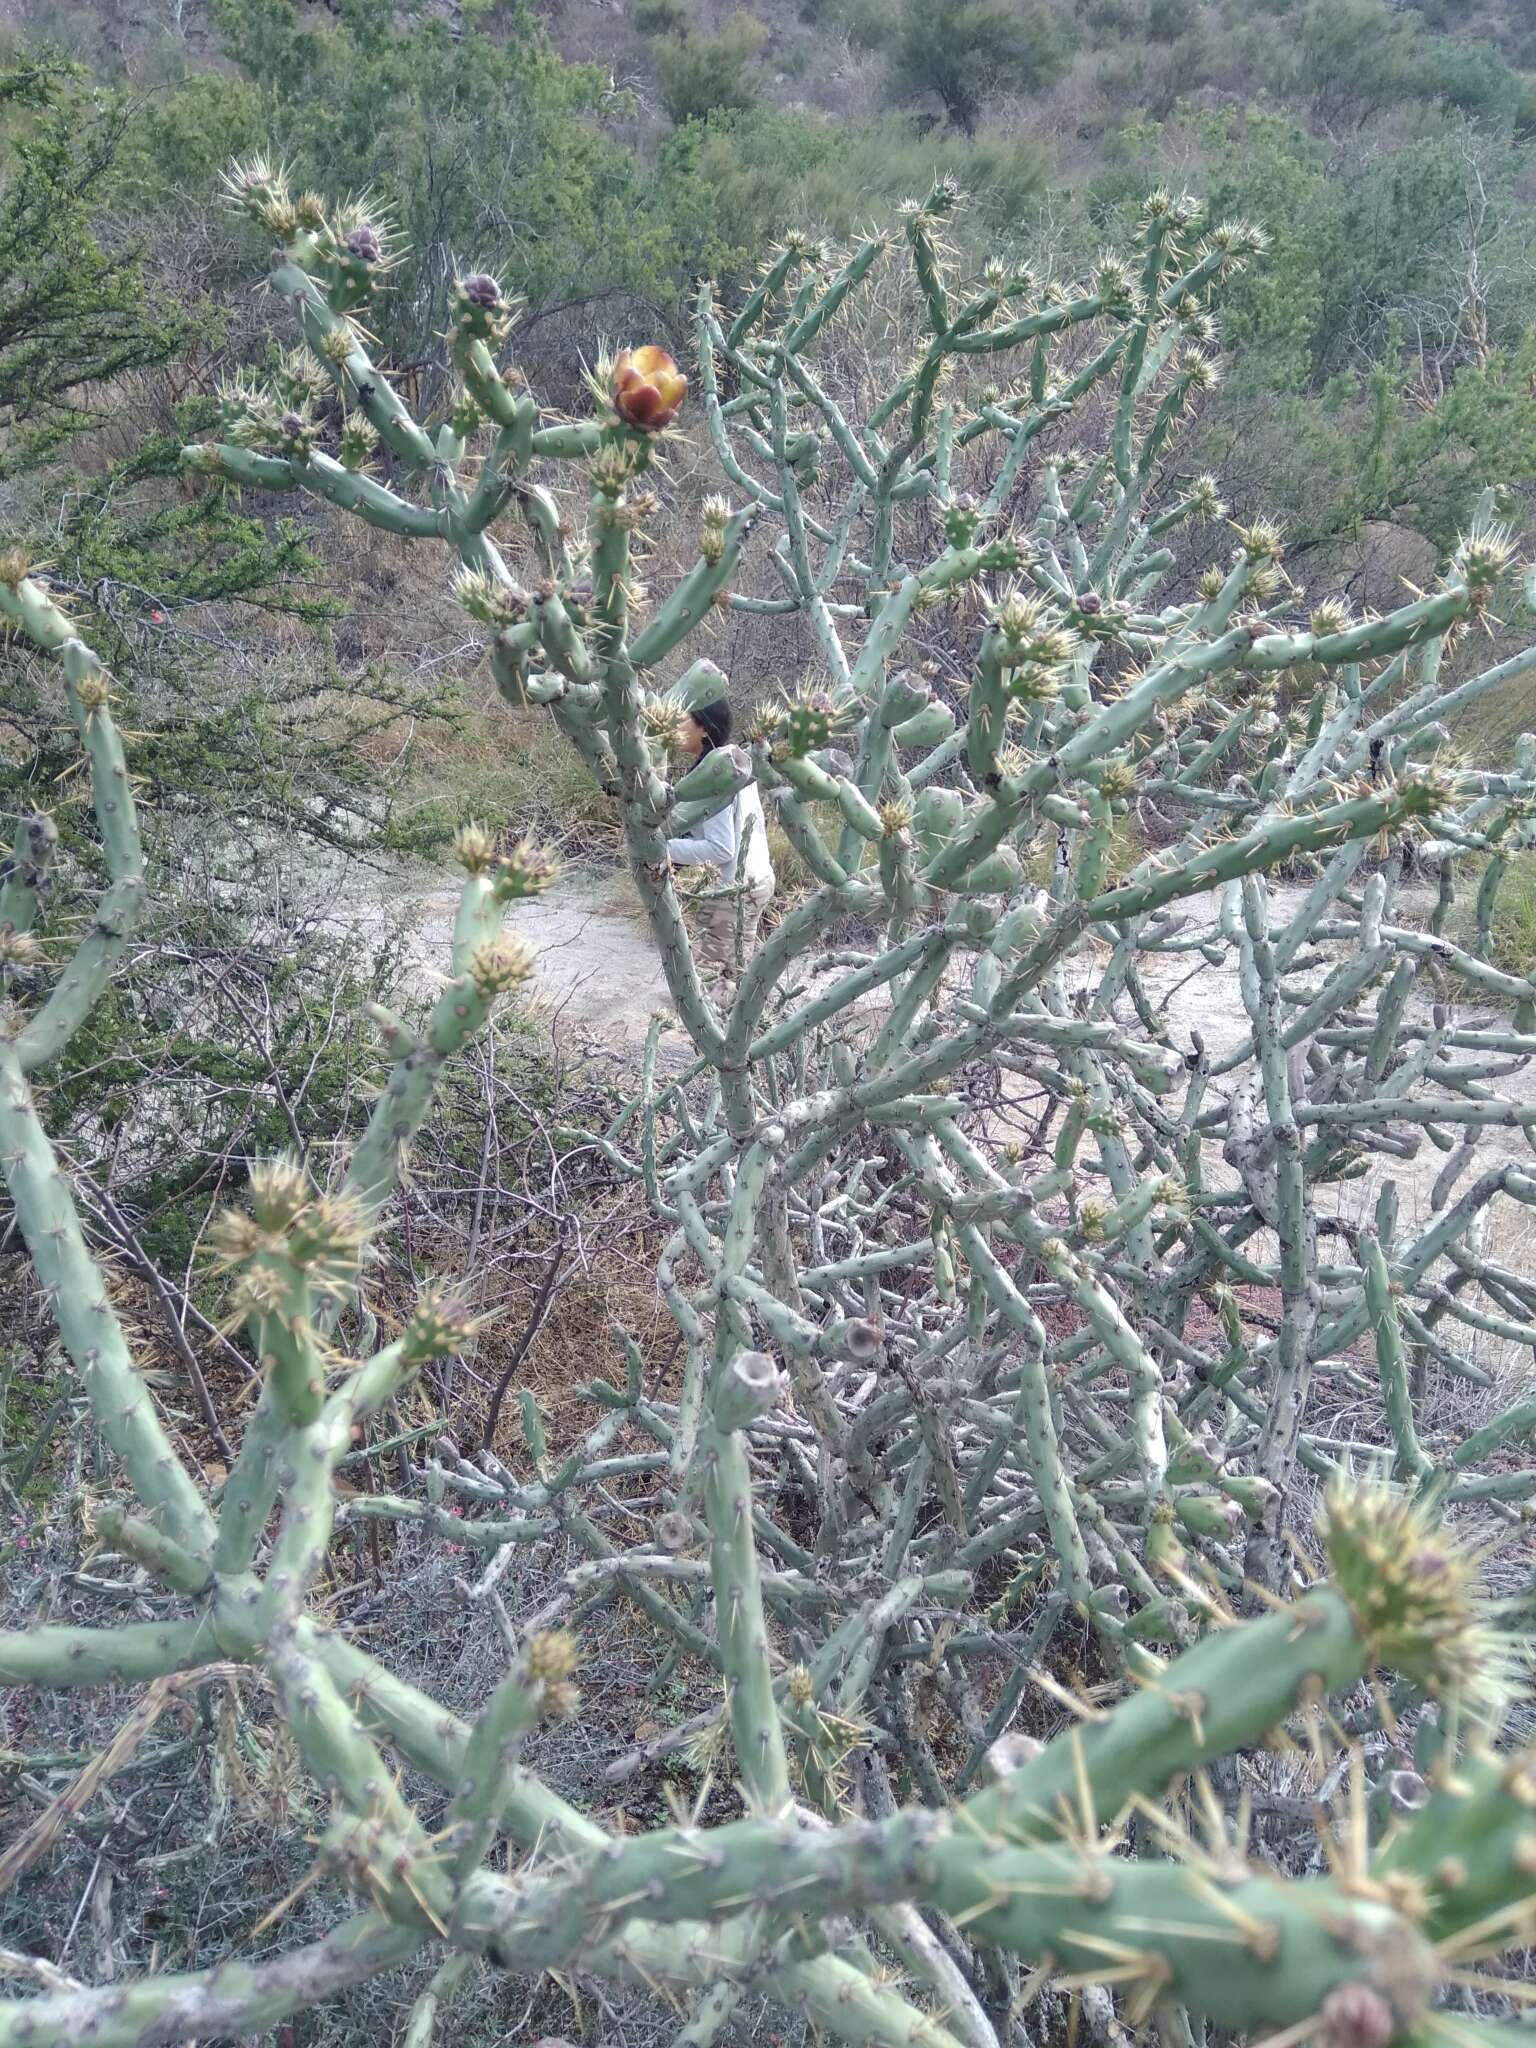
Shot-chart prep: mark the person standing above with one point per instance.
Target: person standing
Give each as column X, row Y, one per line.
column 734, row 844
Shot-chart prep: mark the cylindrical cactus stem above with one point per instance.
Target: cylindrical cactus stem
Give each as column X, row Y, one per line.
column 1403, row 1595
column 1358, row 818
column 336, row 1746
column 151, row 1548
column 87, row 687
column 539, row 1684
column 24, row 874
column 1472, row 1846
column 689, row 603
column 1155, row 1924
column 130, row 1654
column 1044, row 1448
column 1391, row 1361
column 745, row 1387
column 446, row 1980
column 233, row 1998
column 87, row 1321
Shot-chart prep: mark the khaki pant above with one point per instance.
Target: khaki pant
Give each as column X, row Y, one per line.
column 722, row 918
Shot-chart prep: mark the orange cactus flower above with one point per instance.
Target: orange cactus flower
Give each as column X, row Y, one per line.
column 648, row 388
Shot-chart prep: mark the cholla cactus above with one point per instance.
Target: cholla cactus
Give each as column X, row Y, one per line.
column 1063, row 1378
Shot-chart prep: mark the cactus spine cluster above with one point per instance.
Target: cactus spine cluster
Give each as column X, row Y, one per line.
column 1006, row 1387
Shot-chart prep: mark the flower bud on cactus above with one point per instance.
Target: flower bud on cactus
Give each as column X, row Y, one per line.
column 440, row 1323
column 713, row 521
column 1117, row 781
column 648, row 388
column 1417, row 1593
column 297, row 433
column 500, row 965
column 1175, row 210
column 358, row 444
column 465, row 417
column 809, row 722
column 1238, row 240
column 280, row 1189
column 19, row 949
column 235, row 1236
column 262, row 1291
column 94, row 691
column 664, row 721
column 945, row 197
column 255, row 186
column 485, row 598
column 474, row 848
column 1483, row 555
column 1090, row 1218
column 364, row 244
column 1333, row 615
column 326, row 1237
column 356, row 253
column 1005, row 554
column 1261, row 541
column 552, row 1654
column 526, row 871
column 298, row 379
column 1115, row 283
column 1092, row 619
column 16, row 565
column 960, row 520
column 613, row 464
column 480, row 313
column 1205, row 499
column 1034, row 643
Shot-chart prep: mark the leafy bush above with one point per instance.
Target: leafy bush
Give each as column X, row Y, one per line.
column 966, row 52
column 660, row 17
column 731, row 183
column 701, row 75
column 73, row 313
column 1167, row 20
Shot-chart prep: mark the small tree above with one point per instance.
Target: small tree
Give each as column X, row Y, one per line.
column 704, row 74
column 966, row 52
column 72, row 313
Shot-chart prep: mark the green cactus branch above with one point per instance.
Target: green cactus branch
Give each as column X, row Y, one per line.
column 1056, row 1263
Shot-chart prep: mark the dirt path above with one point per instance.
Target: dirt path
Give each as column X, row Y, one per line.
column 597, row 977
column 598, row 980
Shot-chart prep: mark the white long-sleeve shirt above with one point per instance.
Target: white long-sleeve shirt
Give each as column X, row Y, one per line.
column 716, row 841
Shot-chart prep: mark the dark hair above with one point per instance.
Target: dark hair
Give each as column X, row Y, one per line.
column 715, row 721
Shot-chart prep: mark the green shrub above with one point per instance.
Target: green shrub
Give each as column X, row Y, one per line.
column 660, row 17
column 965, row 52
column 1473, row 78
column 702, row 74
column 1167, row 20
column 730, row 183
